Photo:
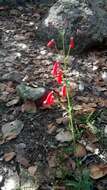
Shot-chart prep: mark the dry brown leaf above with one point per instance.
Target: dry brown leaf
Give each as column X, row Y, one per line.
column 52, row 159
column 9, row 156
column 98, row 170
column 51, row 128
column 11, row 136
column 90, row 136
column 32, row 170
column 80, row 150
column 71, row 164
column 85, row 108
column 102, row 102
column 29, row 106
column 22, row 160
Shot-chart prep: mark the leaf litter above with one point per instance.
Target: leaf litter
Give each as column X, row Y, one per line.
column 39, row 128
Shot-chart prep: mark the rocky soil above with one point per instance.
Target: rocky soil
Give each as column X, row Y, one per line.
column 29, row 134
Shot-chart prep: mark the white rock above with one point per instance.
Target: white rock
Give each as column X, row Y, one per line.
column 81, row 86
column 105, row 130
column 43, row 52
column 31, row 23
column 18, row 54
column 1, row 178
column 104, row 76
column 12, row 129
column 95, row 67
column 22, row 45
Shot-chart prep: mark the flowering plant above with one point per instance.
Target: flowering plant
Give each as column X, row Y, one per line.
column 59, row 74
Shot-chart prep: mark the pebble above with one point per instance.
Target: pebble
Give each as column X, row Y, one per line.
column 1, row 178
column 81, row 86
column 12, row 129
column 22, row 46
column 63, row 136
column 104, row 76
column 105, row 130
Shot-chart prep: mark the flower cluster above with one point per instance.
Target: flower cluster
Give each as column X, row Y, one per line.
column 57, row 73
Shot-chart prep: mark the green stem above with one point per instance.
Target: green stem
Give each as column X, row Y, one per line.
column 70, row 115
column 69, row 101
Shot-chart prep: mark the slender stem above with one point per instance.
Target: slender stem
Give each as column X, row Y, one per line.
column 69, row 101
column 70, row 114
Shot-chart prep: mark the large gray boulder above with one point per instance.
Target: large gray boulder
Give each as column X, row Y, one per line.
column 86, row 20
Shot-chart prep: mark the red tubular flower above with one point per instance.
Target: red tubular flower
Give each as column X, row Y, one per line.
column 51, row 43
column 50, row 100
column 59, row 77
column 55, row 68
column 63, row 91
column 72, row 44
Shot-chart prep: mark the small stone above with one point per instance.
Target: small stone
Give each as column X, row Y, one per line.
column 12, row 76
column 95, row 67
column 12, row 129
column 43, row 52
column 104, row 76
column 63, row 136
column 18, row 55
column 2, row 87
column 105, row 130
column 81, row 86
column 13, row 102
column 29, row 93
column 31, row 23
column 22, row 46
column 19, row 37
column 1, row 178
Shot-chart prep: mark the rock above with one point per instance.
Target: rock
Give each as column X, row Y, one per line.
column 81, row 86
column 1, row 178
column 20, row 147
column 104, row 76
column 22, row 46
column 12, row 76
column 12, row 129
column 13, row 102
column 63, row 136
column 84, row 20
column 29, row 93
column 105, row 130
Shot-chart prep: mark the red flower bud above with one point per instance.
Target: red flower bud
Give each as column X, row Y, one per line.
column 59, row 77
column 72, row 44
column 55, row 68
column 63, row 91
column 50, row 100
column 51, row 43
